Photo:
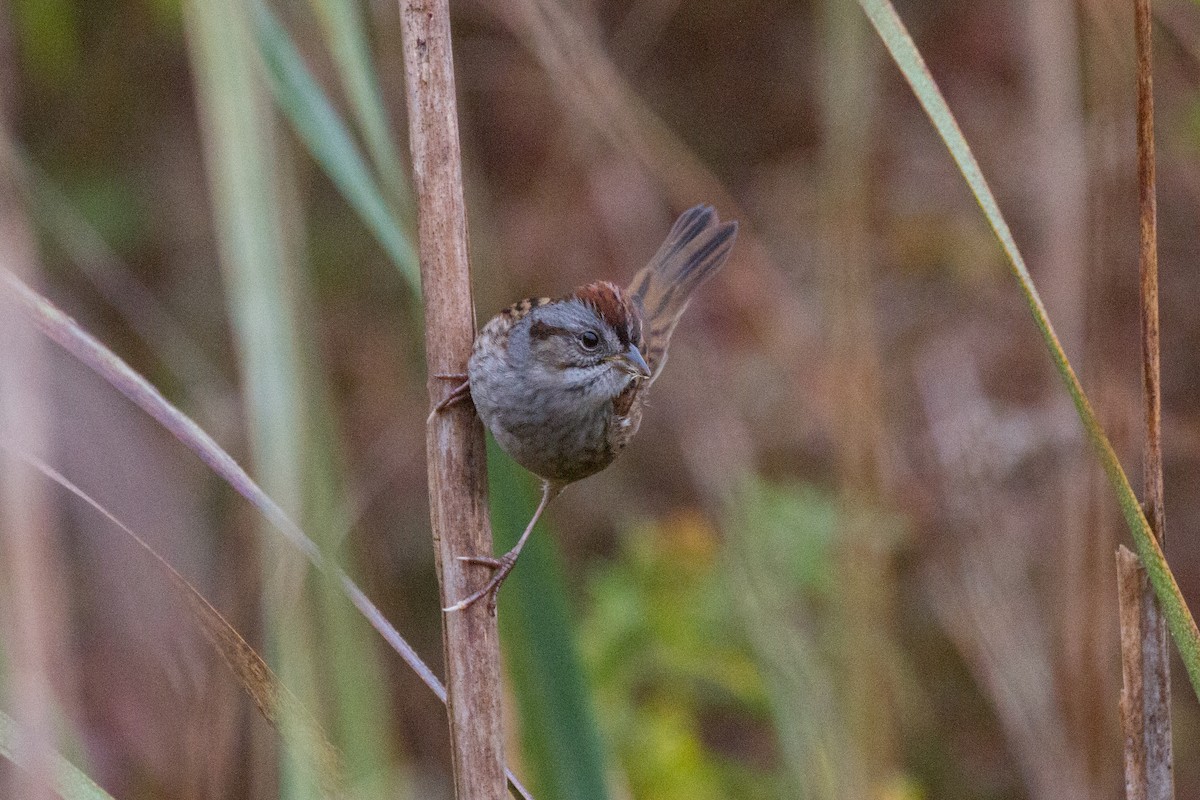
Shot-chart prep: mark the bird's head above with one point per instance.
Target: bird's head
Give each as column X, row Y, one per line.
column 591, row 337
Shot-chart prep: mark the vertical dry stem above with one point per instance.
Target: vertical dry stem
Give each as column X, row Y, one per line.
column 454, row 440
column 1060, row 149
column 1148, row 264
column 32, row 619
column 1131, row 580
column 850, row 96
column 1148, row 757
column 27, row 624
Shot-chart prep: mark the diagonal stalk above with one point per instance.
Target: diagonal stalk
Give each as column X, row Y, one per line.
column 67, row 333
column 902, row 49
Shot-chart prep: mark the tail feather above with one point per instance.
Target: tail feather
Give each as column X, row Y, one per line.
column 694, row 250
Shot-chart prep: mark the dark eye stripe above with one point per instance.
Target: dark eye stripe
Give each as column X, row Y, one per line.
column 541, row 330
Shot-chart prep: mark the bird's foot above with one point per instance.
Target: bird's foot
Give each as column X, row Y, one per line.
column 457, row 395
column 500, row 567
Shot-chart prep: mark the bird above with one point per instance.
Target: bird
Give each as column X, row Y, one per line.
column 561, row 382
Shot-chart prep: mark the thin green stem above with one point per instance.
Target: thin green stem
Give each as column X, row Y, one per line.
column 902, row 49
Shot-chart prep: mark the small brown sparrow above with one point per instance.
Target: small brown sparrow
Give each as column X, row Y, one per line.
column 561, row 383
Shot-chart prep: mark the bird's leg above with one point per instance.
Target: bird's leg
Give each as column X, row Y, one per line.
column 458, row 394
column 504, row 564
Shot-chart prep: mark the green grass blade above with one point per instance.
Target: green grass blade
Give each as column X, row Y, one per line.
column 240, row 157
column 346, row 37
column 1179, row 618
column 560, row 739
column 320, row 649
column 767, row 582
column 355, row 686
column 326, row 136
column 69, row 781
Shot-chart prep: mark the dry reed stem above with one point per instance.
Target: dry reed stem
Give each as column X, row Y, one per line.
column 30, row 610
column 1131, row 581
column 1148, row 756
column 454, row 438
column 1148, row 268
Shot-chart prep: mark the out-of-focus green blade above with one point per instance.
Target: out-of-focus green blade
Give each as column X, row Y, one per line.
column 904, row 51
column 354, row 675
column 347, row 39
column 559, row 735
column 241, row 158
column 317, row 646
column 69, row 781
column 328, row 139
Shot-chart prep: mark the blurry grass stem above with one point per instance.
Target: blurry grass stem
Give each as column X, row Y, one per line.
column 559, row 36
column 561, row 743
column 141, row 309
column 816, row 738
column 1066, row 242
column 314, row 640
column 257, row 226
column 346, row 35
column 271, row 697
column 64, row 331
column 1179, row 618
column 454, row 440
column 328, row 139
column 868, row 708
column 66, row 779
column 29, row 601
column 1148, row 751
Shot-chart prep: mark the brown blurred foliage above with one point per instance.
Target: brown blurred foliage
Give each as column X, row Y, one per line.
column 865, row 338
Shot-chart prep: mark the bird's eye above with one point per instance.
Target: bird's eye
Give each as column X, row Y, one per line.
column 589, row 339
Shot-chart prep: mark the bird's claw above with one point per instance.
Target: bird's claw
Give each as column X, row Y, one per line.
column 501, row 568
column 483, row 561
column 504, row 564
column 457, row 395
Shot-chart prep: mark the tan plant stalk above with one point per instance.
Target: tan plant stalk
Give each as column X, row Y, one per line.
column 454, row 439
column 1147, row 676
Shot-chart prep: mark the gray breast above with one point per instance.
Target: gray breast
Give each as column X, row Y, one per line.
column 560, row 434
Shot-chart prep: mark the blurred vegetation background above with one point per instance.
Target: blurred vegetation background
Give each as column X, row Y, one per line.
column 859, row 549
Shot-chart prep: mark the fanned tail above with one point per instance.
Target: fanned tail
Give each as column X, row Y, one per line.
column 695, row 249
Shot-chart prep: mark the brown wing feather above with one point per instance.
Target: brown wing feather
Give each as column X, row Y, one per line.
column 694, row 250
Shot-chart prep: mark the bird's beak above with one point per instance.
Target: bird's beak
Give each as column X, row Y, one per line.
column 632, row 362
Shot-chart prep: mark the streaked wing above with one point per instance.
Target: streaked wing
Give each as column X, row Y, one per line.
column 694, row 250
